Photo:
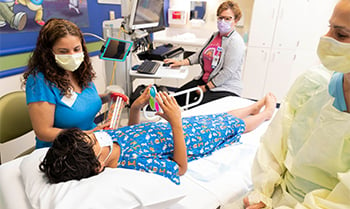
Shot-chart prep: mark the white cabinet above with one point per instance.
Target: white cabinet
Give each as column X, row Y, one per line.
column 282, row 43
column 254, row 72
column 263, row 23
column 278, row 72
column 265, row 71
column 289, row 24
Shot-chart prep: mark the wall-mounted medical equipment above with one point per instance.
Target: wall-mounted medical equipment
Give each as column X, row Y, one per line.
column 115, row 49
column 145, row 13
column 116, row 72
column 177, row 16
column 139, row 16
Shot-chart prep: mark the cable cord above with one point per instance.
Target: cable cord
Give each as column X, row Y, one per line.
column 94, row 35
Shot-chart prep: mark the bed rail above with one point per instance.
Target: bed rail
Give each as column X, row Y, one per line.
column 187, row 105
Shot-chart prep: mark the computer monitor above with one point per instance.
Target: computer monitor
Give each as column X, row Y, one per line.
column 145, row 13
column 115, row 49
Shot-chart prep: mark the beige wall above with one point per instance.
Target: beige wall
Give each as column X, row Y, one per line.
column 13, row 83
column 245, row 5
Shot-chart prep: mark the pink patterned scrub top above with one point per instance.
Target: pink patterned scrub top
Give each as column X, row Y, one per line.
column 208, row 56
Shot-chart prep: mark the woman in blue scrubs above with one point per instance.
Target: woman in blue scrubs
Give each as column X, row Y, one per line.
column 59, row 88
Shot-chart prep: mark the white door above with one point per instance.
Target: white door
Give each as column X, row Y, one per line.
column 289, row 29
column 263, row 23
column 279, row 72
column 254, row 72
column 304, row 60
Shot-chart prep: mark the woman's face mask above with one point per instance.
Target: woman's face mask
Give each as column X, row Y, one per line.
column 69, row 62
column 334, row 55
column 224, row 26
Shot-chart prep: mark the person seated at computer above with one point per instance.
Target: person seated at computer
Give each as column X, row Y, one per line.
column 221, row 59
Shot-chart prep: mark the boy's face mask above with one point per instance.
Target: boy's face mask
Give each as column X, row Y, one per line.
column 69, row 62
column 104, row 140
column 334, row 55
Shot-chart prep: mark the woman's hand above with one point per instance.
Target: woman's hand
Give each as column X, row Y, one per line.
column 176, row 63
column 203, row 89
column 171, row 110
column 106, row 97
column 99, row 127
column 102, row 126
column 247, row 205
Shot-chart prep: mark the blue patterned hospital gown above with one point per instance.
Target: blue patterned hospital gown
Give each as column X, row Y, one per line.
column 149, row 146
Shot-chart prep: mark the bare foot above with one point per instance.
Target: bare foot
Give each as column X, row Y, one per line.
column 270, row 105
column 258, row 105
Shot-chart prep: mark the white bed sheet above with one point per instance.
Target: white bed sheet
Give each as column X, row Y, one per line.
column 209, row 183
column 226, row 174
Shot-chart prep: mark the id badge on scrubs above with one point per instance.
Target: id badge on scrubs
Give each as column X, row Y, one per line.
column 215, row 61
column 69, row 101
column 216, row 58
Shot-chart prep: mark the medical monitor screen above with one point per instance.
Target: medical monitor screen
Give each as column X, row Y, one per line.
column 116, row 49
column 145, row 13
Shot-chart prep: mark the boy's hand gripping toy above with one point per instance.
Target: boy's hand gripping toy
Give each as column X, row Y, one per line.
column 116, row 105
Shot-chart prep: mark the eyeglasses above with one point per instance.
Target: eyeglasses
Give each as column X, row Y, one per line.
column 226, row 18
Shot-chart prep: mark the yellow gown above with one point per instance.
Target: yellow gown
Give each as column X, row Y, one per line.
column 304, row 157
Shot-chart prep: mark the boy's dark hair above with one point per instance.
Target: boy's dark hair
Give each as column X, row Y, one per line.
column 70, row 157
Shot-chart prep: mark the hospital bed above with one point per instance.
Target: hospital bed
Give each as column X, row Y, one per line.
column 209, row 183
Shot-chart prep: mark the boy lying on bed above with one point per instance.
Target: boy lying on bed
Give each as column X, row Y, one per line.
column 161, row 148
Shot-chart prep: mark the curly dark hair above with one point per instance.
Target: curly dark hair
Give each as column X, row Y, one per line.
column 70, row 157
column 43, row 59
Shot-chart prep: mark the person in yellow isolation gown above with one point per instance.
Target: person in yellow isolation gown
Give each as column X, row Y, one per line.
column 304, row 157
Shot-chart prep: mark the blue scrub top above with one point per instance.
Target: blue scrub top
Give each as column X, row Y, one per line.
column 69, row 113
column 37, row 2
column 336, row 90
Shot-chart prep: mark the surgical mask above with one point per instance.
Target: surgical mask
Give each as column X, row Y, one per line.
column 105, row 140
column 334, row 55
column 224, row 26
column 69, row 62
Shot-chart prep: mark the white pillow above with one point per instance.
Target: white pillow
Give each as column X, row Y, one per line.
column 113, row 188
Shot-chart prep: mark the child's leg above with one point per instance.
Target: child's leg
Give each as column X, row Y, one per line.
column 252, row 122
column 252, row 109
column 252, row 116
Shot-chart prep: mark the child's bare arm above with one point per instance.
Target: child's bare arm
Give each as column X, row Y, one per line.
column 172, row 113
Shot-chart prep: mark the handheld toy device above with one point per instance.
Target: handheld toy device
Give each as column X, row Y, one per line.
column 152, row 100
column 155, row 106
column 116, row 105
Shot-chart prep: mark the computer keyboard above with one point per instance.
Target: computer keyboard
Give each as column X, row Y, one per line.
column 148, row 67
